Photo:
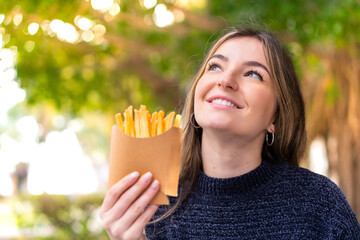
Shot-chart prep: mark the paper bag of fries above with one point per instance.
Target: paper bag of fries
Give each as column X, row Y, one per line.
column 147, row 142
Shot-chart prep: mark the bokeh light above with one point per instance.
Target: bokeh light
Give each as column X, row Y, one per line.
column 87, row 36
column 189, row 4
column 7, row 59
column 148, row 3
column 114, row 9
column 102, row 5
column 29, row 45
column 2, row 18
column 99, row 30
column 84, row 23
column 69, row 33
column 162, row 16
column 56, row 25
column 45, row 26
column 64, row 31
column 18, row 19
column 33, row 28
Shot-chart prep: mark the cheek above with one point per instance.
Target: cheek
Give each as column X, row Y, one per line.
column 203, row 87
column 197, row 95
column 265, row 101
column 200, row 90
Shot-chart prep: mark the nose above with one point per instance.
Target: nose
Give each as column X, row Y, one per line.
column 228, row 81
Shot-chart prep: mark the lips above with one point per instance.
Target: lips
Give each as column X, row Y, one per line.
column 226, row 101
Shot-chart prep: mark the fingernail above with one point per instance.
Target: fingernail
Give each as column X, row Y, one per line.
column 147, row 176
column 134, row 175
column 155, row 185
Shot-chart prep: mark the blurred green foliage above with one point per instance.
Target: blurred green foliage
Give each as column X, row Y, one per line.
column 59, row 216
column 141, row 63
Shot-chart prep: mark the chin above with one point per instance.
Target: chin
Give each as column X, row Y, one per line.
column 216, row 124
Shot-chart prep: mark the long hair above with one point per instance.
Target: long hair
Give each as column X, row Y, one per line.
column 290, row 133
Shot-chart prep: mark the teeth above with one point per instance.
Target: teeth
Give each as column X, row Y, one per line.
column 224, row 102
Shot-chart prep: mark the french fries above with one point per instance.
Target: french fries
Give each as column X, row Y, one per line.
column 141, row 124
column 177, row 120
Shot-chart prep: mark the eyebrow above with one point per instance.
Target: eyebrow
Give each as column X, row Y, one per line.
column 257, row 64
column 220, row 56
column 247, row 63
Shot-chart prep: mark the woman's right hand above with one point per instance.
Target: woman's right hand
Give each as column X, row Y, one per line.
column 124, row 212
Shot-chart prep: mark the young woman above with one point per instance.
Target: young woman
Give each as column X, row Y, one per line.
column 243, row 136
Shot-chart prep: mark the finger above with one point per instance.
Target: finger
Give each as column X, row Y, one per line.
column 137, row 208
column 139, row 225
column 135, row 231
column 128, row 197
column 117, row 190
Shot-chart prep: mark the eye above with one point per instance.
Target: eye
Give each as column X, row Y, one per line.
column 255, row 74
column 214, row 67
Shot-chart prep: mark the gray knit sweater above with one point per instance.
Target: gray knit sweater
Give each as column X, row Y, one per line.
column 274, row 201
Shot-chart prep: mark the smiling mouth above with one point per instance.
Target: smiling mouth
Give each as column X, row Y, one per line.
column 224, row 102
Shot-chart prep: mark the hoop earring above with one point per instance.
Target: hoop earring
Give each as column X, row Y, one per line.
column 272, row 139
column 193, row 121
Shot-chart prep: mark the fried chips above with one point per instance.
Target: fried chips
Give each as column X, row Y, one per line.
column 141, row 124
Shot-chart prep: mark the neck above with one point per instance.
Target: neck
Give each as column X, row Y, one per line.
column 229, row 156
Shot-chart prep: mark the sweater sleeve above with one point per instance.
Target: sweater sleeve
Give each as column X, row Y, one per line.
column 344, row 221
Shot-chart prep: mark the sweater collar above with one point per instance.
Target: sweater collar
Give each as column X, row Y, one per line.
column 240, row 184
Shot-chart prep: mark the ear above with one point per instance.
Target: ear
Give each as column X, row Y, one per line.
column 271, row 127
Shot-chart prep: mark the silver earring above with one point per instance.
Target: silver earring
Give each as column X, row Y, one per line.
column 272, row 139
column 193, row 121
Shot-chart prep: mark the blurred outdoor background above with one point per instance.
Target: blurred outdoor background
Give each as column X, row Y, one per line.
column 68, row 66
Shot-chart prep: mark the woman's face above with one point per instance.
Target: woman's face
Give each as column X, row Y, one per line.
column 236, row 94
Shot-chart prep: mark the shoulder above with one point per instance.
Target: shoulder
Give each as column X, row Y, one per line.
column 305, row 185
column 310, row 183
column 324, row 196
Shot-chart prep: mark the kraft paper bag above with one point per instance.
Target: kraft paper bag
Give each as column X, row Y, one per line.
column 159, row 154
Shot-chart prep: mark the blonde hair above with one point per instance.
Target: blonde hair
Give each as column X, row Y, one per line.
column 290, row 135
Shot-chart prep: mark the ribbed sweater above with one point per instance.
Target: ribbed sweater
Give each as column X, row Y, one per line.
column 274, row 201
